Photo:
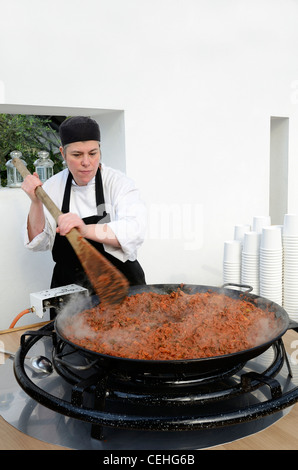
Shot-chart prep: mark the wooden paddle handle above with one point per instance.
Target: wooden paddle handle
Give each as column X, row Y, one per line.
column 40, row 193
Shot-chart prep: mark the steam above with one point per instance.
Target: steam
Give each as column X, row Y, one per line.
column 265, row 332
column 69, row 320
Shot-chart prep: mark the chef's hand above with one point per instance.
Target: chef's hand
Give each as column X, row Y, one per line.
column 30, row 184
column 68, row 221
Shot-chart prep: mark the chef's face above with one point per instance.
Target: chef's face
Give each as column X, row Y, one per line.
column 82, row 159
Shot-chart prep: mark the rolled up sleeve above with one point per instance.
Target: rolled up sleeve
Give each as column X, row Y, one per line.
column 43, row 241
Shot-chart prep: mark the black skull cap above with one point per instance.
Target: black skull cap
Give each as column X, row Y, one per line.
column 78, row 129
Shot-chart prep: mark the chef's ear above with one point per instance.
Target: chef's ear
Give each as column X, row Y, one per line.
column 62, row 152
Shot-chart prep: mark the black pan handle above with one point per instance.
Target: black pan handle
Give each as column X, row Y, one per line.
column 249, row 288
column 293, row 325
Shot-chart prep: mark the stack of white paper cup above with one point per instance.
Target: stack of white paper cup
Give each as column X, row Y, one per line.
column 239, row 232
column 290, row 246
column 271, row 264
column 232, row 261
column 261, row 221
column 251, row 261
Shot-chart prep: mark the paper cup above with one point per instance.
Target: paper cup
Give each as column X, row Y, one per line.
column 260, row 221
column 271, row 238
column 290, row 225
column 232, row 251
column 239, row 232
column 251, row 242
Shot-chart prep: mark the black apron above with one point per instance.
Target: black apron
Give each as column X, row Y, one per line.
column 68, row 269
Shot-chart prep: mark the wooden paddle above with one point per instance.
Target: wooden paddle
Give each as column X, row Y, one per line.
column 109, row 284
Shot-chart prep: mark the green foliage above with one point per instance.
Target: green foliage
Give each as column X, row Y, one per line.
column 28, row 134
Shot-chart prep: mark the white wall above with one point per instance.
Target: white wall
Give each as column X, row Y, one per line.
column 198, row 81
column 21, row 272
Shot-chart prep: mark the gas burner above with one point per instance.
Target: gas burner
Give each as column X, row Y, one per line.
column 165, row 388
column 111, row 398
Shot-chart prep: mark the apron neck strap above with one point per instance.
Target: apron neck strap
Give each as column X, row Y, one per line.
column 99, row 196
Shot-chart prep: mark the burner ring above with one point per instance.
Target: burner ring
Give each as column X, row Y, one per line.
column 175, row 420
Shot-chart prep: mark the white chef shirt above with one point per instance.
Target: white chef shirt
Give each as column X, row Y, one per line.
column 122, row 202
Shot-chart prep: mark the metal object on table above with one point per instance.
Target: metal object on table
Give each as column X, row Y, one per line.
column 39, row 363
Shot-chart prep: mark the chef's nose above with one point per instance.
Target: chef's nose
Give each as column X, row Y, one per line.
column 85, row 160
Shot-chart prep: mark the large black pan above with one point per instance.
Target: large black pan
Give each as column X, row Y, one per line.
column 198, row 366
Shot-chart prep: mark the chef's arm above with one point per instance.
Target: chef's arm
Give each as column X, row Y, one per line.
column 101, row 233
column 36, row 218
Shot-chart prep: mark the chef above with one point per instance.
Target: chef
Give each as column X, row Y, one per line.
column 102, row 203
